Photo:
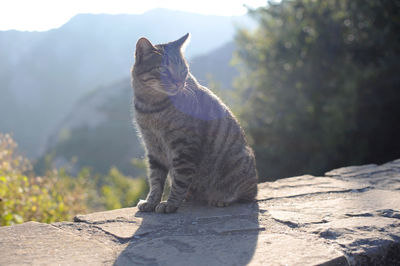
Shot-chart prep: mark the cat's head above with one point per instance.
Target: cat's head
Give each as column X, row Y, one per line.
column 160, row 68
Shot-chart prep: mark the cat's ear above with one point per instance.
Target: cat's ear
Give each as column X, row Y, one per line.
column 143, row 47
column 182, row 42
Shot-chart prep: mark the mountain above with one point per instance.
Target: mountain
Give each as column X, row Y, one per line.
column 44, row 74
column 99, row 133
column 215, row 66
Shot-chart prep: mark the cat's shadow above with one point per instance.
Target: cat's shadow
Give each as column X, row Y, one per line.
column 195, row 235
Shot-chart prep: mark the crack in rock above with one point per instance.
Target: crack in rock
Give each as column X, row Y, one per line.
column 389, row 213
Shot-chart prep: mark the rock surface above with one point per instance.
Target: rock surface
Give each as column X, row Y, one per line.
column 351, row 216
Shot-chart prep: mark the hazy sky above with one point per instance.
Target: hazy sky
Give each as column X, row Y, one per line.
column 42, row 15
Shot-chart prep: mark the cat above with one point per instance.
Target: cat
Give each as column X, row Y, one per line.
column 188, row 134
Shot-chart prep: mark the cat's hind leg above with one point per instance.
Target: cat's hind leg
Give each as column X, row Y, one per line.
column 220, row 198
column 240, row 186
column 237, row 181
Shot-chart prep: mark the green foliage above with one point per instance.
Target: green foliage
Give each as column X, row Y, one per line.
column 119, row 191
column 322, row 83
column 58, row 196
column 28, row 198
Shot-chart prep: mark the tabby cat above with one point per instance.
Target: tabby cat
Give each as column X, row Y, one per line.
column 188, row 133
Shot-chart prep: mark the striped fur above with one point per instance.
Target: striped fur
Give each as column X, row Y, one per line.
column 189, row 134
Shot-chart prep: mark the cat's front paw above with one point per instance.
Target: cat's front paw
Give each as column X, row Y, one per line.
column 166, row 207
column 145, row 206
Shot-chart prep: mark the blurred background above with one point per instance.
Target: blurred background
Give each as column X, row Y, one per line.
column 315, row 84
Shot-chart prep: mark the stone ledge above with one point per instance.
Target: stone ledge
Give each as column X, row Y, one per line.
column 351, row 216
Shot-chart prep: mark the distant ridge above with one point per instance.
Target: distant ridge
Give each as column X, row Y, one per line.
column 43, row 74
column 98, row 131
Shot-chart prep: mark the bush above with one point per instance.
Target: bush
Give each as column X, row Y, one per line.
column 25, row 197
column 119, row 191
column 58, row 196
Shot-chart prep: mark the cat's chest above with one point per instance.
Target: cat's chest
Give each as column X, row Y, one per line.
column 152, row 122
column 154, row 130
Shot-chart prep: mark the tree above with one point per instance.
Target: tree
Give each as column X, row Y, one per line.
column 322, row 83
